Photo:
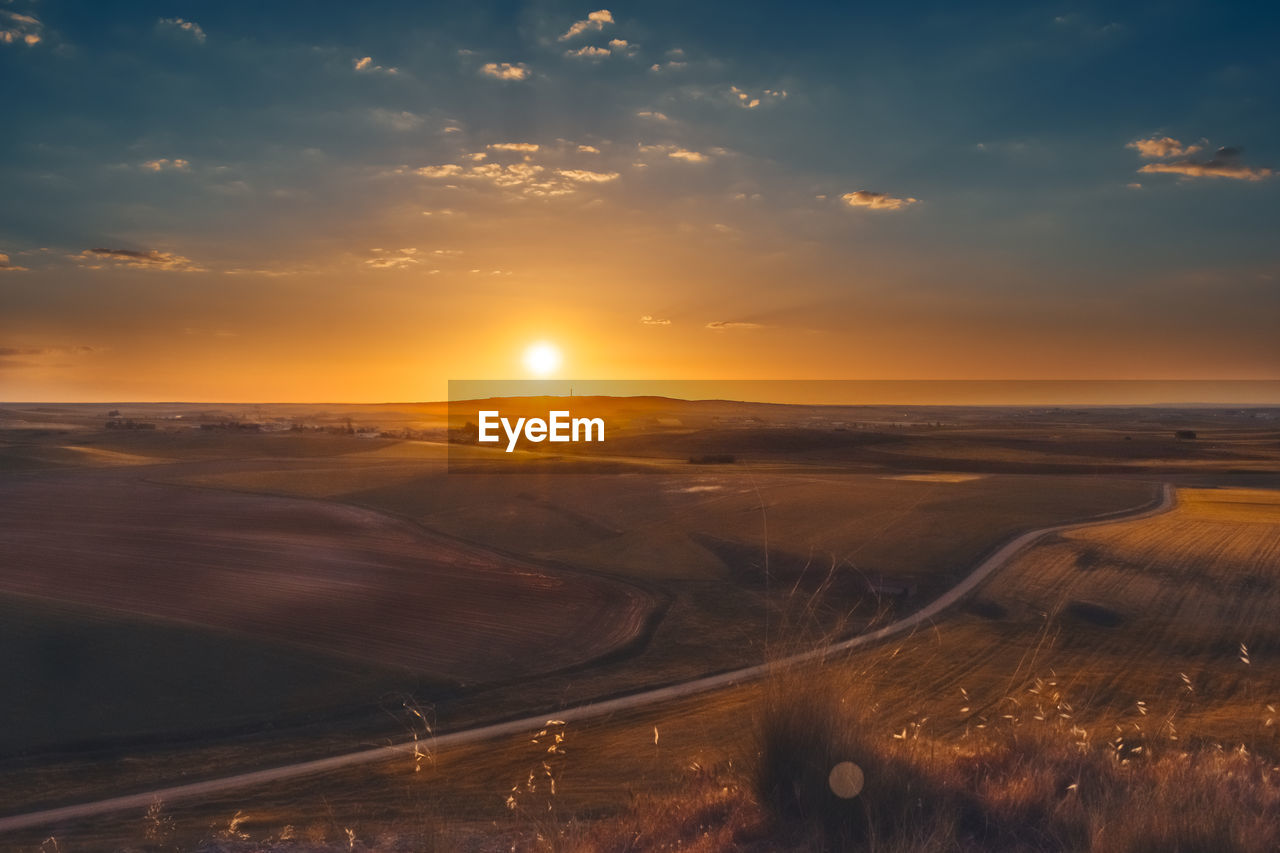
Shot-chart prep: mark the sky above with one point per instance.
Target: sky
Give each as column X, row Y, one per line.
column 359, row 202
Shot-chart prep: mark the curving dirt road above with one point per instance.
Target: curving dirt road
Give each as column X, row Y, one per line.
column 581, row 712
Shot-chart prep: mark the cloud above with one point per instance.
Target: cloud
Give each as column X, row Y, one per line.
column 517, row 174
column 506, row 70
column 20, row 29
column 588, row 52
column 688, row 156
column 653, row 114
column 524, row 178
column 1087, row 28
column 594, row 21
column 6, row 266
column 397, row 120
column 77, row 350
column 190, row 27
column 584, row 176
column 619, row 47
column 726, row 325
column 364, row 65
column 1162, row 147
column 444, row 171
column 748, row 101
column 96, row 259
column 18, row 357
column 527, row 147
column 876, row 201
column 272, row 272
column 675, row 152
column 392, row 259
column 588, row 149
column 1223, row 164
column 165, row 164
column 649, row 320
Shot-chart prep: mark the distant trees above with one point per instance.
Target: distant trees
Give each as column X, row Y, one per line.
column 129, row 424
column 468, row 433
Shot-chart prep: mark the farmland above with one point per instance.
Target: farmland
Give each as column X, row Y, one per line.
column 235, row 601
column 1023, row 655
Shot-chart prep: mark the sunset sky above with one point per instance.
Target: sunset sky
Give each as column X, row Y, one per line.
column 323, row 201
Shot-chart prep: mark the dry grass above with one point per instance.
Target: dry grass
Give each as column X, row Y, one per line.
column 1033, row 782
column 1028, row 784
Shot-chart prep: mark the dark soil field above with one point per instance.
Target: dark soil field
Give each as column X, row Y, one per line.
column 347, row 584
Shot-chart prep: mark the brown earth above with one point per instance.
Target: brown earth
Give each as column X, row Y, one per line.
column 326, row 576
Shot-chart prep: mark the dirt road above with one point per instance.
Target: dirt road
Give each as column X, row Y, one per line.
column 981, row 572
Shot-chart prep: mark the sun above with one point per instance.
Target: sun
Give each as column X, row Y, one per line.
column 542, row 358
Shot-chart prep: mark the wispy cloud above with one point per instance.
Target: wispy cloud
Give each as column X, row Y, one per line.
column 1083, row 26
column 588, row 52
column 876, row 200
column 392, row 259
column 684, row 155
column 688, row 156
column 524, row 178
column 1225, row 163
column 20, row 357
column 505, row 70
column 585, row 176
column 594, row 21
column 401, row 120
column 164, row 164
column 365, row 65
column 60, row 350
column 728, row 325
column 445, row 170
column 750, row 101
column 1161, row 147
column 526, row 147
column 191, row 28
column 650, row 320
column 17, row 28
column 96, row 259
column 6, row 266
